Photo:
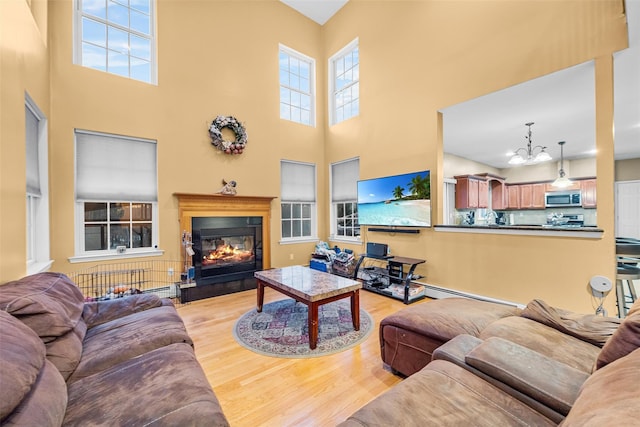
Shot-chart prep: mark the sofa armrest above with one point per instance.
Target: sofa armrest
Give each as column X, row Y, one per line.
column 456, row 349
column 98, row 312
column 548, row 381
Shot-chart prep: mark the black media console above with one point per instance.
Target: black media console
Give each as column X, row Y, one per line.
column 393, row 281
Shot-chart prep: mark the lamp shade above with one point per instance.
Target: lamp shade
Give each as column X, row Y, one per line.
column 562, row 182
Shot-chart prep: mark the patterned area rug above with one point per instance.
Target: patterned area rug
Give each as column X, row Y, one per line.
column 281, row 330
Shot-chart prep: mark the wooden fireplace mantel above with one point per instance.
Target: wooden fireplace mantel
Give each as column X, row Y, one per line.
column 204, row 205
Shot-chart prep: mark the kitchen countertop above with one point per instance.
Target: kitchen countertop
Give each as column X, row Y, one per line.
column 527, row 230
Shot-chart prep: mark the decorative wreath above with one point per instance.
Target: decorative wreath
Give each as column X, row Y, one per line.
column 230, row 147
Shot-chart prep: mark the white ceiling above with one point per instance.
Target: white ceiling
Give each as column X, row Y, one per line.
column 561, row 105
column 318, row 10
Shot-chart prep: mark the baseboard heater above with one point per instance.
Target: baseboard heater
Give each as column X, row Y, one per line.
column 437, row 292
column 170, row 291
column 394, row 230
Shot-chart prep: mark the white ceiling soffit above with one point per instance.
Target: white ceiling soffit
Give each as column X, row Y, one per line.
column 318, row 10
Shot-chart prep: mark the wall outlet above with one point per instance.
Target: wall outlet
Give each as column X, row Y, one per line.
column 291, row 257
column 170, row 272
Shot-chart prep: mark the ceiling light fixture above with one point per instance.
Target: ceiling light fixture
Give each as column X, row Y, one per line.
column 529, row 158
column 562, row 181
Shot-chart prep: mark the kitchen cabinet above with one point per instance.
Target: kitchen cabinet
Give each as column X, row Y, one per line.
column 473, row 191
column 513, row 197
column 498, row 195
column 483, row 194
column 526, row 196
column 588, row 190
column 537, row 196
column 467, row 187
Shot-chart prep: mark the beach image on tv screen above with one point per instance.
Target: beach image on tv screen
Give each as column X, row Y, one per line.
column 399, row 200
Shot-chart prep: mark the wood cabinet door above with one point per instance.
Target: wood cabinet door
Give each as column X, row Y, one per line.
column 513, row 197
column 588, row 190
column 466, row 193
column 526, row 196
column 483, row 194
column 537, row 196
column 498, row 195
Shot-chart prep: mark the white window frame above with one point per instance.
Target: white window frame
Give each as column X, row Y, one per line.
column 312, row 203
column 37, row 205
column 334, row 205
column 79, row 13
column 334, row 92
column 296, row 90
column 83, row 255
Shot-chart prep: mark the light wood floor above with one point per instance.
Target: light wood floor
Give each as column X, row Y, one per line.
column 256, row 390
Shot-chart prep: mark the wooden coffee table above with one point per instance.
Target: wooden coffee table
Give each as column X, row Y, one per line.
column 312, row 288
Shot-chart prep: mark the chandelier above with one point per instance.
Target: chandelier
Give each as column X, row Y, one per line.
column 529, row 155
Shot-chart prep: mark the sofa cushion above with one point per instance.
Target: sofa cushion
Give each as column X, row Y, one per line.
column 65, row 351
column 32, row 391
column 98, row 312
column 610, row 397
column 545, row 340
column 45, row 405
column 445, row 394
column 165, row 387
column 129, row 336
column 22, row 355
column 49, row 303
column 591, row 328
column 625, row 340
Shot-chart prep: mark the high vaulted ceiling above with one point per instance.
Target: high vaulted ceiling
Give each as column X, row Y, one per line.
column 318, row 10
column 561, row 105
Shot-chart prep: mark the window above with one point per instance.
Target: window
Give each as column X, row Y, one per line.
column 344, row 86
column 116, row 195
column 298, row 195
column 37, row 207
column 344, row 199
column 297, row 83
column 116, row 36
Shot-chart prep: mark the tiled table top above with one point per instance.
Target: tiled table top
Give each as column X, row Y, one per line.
column 312, row 285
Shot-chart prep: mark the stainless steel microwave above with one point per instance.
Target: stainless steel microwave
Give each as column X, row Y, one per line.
column 560, row 199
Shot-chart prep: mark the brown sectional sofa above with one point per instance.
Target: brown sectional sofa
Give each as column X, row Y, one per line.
column 126, row 361
column 538, row 366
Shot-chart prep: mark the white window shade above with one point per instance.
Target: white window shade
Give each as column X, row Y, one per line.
column 110, row 167
column 33, row 165
column 298, row 182
column 344, row 180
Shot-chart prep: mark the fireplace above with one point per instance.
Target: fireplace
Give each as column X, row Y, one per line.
column 226, row 248
column 231, row 240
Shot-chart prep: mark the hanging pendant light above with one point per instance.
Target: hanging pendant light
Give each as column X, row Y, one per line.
column 562, row 181
column 528, row 157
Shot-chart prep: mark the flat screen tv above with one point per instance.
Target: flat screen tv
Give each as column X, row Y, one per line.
column 399, row 200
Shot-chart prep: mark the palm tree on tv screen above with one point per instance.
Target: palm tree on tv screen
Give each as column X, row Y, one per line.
column 398, row 192
column 420, row 187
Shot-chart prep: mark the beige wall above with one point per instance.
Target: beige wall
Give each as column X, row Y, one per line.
column 419, row 57
column 210, row 64
column 24, row 68
column 416, row 58
column 628, row 170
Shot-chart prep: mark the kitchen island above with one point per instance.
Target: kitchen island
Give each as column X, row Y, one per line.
column 525, row 230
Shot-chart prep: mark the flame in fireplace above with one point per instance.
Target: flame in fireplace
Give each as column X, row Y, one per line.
column 228, row 254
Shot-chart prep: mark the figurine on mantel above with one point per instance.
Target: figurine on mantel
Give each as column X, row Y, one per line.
column 228, row 189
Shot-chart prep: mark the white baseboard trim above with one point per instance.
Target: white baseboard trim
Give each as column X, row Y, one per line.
column 438, row 292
